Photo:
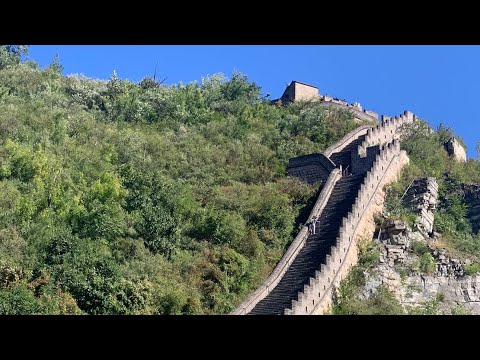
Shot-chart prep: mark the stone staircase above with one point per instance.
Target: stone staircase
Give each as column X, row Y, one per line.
column 354, row 172
column 343, row 157
column 314, row 253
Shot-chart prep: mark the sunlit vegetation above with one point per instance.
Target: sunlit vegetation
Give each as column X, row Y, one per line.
column 425, row 148
column 141, row 198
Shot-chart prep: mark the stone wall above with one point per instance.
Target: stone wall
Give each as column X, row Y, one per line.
column 456, row 150
column 308, row 164
column 296, row 164
column 388, row 162
column 273, row 279
column 317, row 295
column 360, row 115
column 311, row 168
column 305, row 92
column 298, row 91
column 347, row 139
column 387, row 131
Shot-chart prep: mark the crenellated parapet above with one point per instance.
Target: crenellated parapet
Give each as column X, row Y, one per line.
column 347, row 139
column 373, row 156
column 287, row 259
column 316, row 297
column 387, row 131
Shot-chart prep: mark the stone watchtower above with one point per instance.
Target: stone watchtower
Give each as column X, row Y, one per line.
column 298, row 91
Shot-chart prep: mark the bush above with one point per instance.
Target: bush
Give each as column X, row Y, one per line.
column 472, row 269
column 419, row 248
column 460, row 310
column 429, row 307
column 19, row 300
column 348, row 300
column 427, row 263
column 395, row 208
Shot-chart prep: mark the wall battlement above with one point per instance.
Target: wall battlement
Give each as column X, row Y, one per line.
column 299, row 91
column 387, row 131
column 358, row 113
column 380, row 159
column 316, row 297
column 298, row 243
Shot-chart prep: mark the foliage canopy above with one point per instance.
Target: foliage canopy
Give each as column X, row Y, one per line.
column 126, row 198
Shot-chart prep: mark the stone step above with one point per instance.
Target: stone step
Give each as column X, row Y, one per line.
column 317, row 246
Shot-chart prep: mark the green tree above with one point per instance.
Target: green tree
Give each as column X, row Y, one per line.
column 56, row 66
column 11, row 55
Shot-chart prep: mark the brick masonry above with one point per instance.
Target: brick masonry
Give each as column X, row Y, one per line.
column 298, row 91
column 387, row 131
column 311, row 168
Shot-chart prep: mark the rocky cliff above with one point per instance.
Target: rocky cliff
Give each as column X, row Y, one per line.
column 412, row 265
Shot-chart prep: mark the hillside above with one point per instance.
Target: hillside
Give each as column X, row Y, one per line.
column 142, row 198
column 410, row 269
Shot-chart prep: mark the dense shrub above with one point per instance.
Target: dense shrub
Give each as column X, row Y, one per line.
column 473, row 268
column 126, row 198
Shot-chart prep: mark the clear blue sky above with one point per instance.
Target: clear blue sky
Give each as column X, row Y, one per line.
column 441, row 84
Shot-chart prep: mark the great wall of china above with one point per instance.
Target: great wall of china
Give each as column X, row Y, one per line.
column 298, row 91
column 354, row 172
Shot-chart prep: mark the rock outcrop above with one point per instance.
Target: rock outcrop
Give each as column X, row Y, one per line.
column 471, row 198
column 456, row 150
column 421, row 197
column 454, row 291
column 447, row 281
column 395, row 239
